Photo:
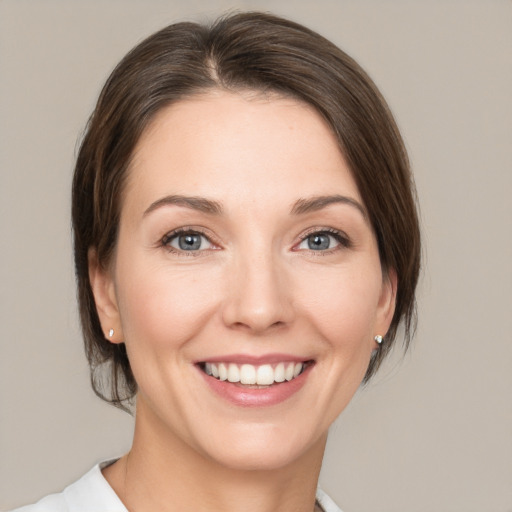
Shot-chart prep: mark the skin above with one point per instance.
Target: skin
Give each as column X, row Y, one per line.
column 254, row 287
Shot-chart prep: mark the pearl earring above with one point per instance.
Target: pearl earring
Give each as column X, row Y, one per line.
column 378, row 339
column 111, row 333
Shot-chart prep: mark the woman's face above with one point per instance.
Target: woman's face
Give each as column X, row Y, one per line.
column 244, row 252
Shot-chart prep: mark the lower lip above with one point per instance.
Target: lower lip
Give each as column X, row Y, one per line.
column 256, row 397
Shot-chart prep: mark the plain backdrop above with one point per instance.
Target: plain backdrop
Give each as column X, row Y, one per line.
column 433, row 431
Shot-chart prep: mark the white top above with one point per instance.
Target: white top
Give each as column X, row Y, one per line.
column 92, row 493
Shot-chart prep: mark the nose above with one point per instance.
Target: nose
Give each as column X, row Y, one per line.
column 258, row 295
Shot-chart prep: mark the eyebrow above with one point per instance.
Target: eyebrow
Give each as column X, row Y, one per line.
column 316, row 203
column 200, row 204
column 300, row 207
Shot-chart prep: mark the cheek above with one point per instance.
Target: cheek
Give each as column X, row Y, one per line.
column 343, row 304
column 163, row 307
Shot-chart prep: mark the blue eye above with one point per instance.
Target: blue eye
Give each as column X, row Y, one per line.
column 322, row 241
column 188, row 241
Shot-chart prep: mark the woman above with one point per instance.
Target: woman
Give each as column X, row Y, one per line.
column 246, row 246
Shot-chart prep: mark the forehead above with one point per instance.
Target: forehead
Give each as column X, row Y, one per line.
column 242, row 147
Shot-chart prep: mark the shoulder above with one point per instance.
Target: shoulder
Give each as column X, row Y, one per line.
column 91, row 493
column 326, row 502
column 53, row 503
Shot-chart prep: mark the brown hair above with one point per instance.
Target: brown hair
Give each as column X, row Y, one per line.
column 253, row 51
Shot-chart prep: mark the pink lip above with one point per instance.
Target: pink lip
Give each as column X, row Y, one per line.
column 254, row 397
column 255, row 360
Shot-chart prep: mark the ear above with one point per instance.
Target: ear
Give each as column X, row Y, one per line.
column 103, row 289
column 387, row 302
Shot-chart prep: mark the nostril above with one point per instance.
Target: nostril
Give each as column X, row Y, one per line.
column 258, row 298
column 257, row 327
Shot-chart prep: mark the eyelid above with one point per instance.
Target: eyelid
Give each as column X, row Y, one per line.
column 341, row 237
column 164, row 241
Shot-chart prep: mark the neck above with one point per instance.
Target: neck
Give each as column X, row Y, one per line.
column 163, row 472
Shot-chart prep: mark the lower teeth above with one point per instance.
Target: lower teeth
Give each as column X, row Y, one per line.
column 252, row 386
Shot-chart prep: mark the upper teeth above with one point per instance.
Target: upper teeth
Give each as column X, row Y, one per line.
column 263, row 375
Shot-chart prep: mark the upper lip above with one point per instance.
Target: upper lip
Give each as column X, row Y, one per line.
column 255, row 360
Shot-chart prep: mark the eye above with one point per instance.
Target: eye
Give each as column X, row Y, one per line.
column 192, row 241
column 323, row 241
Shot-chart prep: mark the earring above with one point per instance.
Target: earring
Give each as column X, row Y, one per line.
column 378, row 339
column 111, row 333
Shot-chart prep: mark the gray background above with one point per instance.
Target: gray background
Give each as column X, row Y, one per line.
column 432, row 432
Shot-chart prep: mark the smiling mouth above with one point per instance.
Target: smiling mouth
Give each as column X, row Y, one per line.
column 256, row 376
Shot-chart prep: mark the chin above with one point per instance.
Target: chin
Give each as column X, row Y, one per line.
column 265, row 449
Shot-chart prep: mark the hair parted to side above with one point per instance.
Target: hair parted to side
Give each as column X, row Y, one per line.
column 242, row 51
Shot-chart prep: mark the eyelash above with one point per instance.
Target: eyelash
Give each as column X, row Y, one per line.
column 339, row 236
column 169, row 237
